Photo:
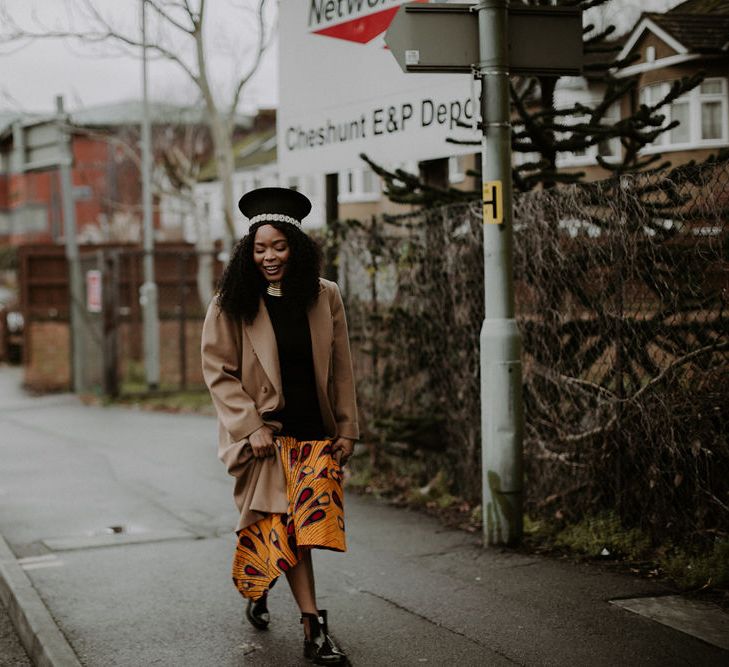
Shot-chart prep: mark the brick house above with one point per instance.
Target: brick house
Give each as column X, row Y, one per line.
column 107, row 187
column 105, row 174
column 692, row 37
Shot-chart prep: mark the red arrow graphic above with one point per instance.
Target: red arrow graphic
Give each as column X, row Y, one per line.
column 363, row 29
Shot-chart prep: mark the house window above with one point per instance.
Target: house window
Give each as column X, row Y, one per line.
column 358, row 185
column 680, row 112
column 608, row 149
column 650, row 95
column 712, row 99
column 701, row 113
column 368, row 181
column 650, row 54
column 518, row 158
column 456, row 169
column 346, row 182
column 410, row 167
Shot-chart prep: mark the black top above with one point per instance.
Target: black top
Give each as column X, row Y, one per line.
column 301, row 415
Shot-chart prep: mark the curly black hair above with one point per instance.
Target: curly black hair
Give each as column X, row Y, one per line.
column 242, row 283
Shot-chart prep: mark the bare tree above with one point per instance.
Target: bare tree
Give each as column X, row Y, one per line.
column 177, row 34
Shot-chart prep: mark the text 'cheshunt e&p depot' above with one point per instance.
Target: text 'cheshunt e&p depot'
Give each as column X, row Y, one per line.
column 381, row 121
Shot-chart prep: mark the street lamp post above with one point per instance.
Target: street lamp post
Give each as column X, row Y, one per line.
column 501, row 400
column 76, row 293
column 499, row 40
column 148, row 291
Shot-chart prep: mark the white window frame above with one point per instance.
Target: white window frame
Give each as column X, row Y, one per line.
column 694, row 97
column 357, row 193
column 589, row 157
column 456, row 169
column 518, row 158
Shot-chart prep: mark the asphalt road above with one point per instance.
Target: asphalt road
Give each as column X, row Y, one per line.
column 123, row 522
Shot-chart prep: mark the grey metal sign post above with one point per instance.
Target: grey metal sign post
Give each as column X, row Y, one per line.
column 39, row 146
column 497, row 40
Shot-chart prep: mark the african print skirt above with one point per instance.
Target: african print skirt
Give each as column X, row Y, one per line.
column 315, row 518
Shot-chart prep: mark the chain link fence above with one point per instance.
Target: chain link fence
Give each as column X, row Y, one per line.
column 622, row 296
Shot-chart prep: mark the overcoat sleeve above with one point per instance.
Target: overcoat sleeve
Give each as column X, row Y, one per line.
column 221, row 350
column 345, row 400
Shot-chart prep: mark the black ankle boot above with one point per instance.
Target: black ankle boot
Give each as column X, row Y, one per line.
column 320, row 647
column 257, row 613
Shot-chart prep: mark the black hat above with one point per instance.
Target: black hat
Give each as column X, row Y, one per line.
column 275, row 204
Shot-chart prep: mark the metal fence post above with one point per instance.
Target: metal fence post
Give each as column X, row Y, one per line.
column 110, row 322
column 183, row 260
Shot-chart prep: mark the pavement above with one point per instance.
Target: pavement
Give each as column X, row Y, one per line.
column 117, row 541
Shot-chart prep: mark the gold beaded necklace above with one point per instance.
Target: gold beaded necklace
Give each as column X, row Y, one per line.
column 274, row 289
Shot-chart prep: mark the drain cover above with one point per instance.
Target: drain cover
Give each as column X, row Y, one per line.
column 111, row 538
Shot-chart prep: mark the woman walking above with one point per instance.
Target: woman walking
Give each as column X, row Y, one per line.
column 275, row 354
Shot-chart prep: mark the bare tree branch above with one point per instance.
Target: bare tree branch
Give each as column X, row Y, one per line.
column 165, row 16
column 691, row 356
column 264, row 41
column 717, row 347
column 101, row 31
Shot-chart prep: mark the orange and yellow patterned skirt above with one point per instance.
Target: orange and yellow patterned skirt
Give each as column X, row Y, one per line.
column 315, row 518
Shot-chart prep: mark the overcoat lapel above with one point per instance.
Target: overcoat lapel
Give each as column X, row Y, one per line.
column 320, row 326
column 263, row 339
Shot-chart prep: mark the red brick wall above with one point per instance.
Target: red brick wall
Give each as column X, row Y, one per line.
column 4, row 193
column 47, row 365
column 170, row 366
column 113, row 179
column 90, row 169
column 48, row 356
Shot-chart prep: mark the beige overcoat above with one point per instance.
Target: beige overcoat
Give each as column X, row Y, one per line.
column 241, row 369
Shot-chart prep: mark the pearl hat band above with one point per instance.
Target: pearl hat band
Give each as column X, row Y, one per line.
column 275, row 217
column 275, row 205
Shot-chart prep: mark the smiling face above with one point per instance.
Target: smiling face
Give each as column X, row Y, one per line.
column 271, row 252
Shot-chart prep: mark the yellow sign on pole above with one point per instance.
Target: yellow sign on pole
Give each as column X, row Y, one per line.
column 493, row 202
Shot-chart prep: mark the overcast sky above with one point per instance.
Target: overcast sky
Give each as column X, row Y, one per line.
column 31, row 77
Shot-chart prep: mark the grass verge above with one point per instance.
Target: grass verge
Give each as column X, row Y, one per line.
column 193, row 401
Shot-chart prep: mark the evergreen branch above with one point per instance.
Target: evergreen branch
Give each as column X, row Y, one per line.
column 598, row 37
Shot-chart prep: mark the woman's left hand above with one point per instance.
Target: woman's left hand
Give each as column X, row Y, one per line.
column 342, row 450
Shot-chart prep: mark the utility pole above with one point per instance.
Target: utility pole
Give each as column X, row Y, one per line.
column 75, row 282
column 501, row 390
column 148, row 291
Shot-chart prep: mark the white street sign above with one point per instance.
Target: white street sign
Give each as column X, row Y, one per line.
column 94, row 294
column 342, row 94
